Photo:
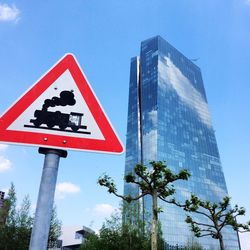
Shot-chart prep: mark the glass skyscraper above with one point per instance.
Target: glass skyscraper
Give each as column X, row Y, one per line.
column 169, row 120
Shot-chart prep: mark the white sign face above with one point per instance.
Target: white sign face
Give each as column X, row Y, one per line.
column 63, row 88
column 60, row 111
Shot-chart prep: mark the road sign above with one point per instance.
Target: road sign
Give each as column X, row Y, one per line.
column 60, row 111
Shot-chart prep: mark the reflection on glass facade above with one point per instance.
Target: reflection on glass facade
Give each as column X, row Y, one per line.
column 169, row 120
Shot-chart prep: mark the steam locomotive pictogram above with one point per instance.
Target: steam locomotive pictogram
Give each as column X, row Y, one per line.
column 62, row 120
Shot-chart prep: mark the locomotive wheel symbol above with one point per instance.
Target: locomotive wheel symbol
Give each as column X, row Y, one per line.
column 62, row 126
column 63, row 120
column 37, row 123
column 51, row 123
column 74, row 128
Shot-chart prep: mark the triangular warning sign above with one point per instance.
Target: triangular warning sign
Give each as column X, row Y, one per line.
column 60, row 111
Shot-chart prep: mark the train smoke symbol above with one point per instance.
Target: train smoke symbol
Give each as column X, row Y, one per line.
column 66, row 98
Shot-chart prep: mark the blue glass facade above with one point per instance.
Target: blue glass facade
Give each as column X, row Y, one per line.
column 169, row 120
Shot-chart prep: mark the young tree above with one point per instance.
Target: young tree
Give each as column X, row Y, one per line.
column 155, row 181
column 219, row 216
column 193, row 245
column 118, row 235
column 15, row 233
column 55, row 229
column 24, row 224
column 23, row 214
column 8, row 229
column 11, row 201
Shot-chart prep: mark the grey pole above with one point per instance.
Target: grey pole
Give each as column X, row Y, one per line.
column 40, row 230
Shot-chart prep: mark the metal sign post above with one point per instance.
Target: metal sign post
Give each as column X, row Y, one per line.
column 40, row 230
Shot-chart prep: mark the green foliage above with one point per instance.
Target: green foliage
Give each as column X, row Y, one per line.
column 117, row 235
column 155, row 181
column 218, row 215
column 23, row 214
column 158, row 177
column 11, row 200
column 16, row 231
column 193, row 245
column 55, row 229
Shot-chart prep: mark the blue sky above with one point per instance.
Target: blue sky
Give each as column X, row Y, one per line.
column 104, row 35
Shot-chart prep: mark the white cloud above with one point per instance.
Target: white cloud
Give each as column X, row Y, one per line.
column 184, row 88
column 5, row 164
column 5, row 190
column 150, row 145
column 153, row 117
column 3, row 147
column 65, row 188
column 215, row 188
column 9, row 13
column 104, row 210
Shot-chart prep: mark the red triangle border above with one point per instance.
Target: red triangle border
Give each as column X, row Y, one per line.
column 111, row 144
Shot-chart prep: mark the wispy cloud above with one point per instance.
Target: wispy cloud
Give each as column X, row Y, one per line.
column 9, row 13
column 65, row 188
column 5, row 190
column 104, row 210
column 5, row 164
column 3, row 147
column 172, row 76
column 149, row 141
column 247, row 2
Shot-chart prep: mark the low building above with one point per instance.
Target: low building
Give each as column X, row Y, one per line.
column 1, row 199
column 82, row 235
column 3, row 208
